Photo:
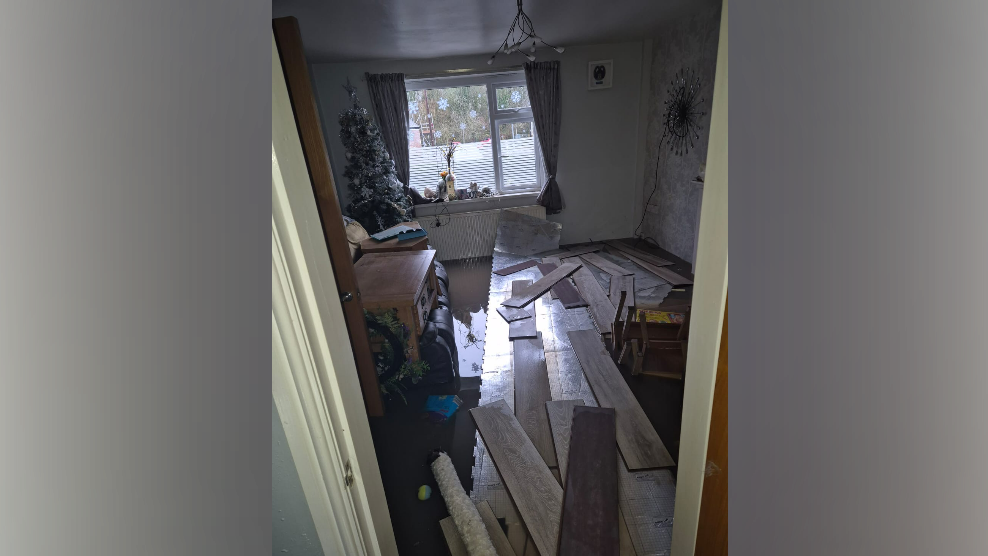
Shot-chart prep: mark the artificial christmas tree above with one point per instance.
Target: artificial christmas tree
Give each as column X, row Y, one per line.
column 376, row 197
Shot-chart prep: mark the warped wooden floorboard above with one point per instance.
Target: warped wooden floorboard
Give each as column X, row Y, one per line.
column 662, row 272
column 527, row 478
column 521, row 328
column 623, row 284
column 601, row 308
column 560, row 420
column 453, row 540
column 542, row 285
column 500, row 540
column 563, row 289
column 627, row 249
column 589, row 523
column 577, row 251
column 560, row 414
column 531, row 394
column 515, row 268
column 639, row 443
column 606, row 265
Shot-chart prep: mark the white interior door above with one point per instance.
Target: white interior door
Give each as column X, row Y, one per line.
column 314, row 376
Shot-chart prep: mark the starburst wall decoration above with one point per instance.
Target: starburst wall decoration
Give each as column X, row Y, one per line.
column 682, row 116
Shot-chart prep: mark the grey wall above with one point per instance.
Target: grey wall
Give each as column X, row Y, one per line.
column 292, row 531
column 688, row 41
column 599, row 147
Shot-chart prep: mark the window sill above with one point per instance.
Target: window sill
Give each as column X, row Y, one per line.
column 476, row 205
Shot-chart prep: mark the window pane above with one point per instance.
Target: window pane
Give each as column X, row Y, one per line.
column 438, row 116
column 517, row 156
column 512, row 97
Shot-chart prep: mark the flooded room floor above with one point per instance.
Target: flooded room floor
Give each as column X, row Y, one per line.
column 403, row 438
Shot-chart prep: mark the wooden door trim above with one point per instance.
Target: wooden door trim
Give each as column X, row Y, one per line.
column 711, row 533
column 292, row 55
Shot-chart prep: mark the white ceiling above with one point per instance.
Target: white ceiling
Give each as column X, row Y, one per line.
column 342, row 30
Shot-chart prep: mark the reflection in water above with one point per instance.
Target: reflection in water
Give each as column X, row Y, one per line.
column 471, row 326
column 469, row 289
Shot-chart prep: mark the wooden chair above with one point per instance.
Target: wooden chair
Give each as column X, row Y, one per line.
column 637, row 337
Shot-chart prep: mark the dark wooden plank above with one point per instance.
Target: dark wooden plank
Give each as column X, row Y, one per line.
column 647, row 257
column 606, row 265
column 560, row 419
column 542, row 285
column 623, row 284
column 296, row 69
column 577, row 251
column 590, row 506
column 601, row 308
column 660, row 271
column 564, row 290
column 535, row 492
column 560, row 414
column 639, row 443
column 554, row 261
column 522, row 329
column 498, row 538
column 515, row 268
column 510, row 314
column 712, row 526
column 531, row 393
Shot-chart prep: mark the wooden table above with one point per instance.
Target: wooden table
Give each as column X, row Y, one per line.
column 404, row 281
column 371, row 245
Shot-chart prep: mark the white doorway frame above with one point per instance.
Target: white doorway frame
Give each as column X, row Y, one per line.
column 314, row 376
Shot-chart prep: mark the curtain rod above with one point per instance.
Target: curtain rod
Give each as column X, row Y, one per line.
column 459, row 72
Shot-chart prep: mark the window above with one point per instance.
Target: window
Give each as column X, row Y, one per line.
column 488, row 117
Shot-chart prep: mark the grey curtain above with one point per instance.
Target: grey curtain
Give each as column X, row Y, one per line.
column 542, row 79
column 387, row 92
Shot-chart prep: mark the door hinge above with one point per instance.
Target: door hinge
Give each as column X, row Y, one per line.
column 348, row 474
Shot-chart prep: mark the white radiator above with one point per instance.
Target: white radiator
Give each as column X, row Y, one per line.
column 468, row 234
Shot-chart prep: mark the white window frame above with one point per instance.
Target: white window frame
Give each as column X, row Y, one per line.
column 494, row 81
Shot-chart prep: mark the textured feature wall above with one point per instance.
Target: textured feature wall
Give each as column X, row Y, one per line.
column 688, row 41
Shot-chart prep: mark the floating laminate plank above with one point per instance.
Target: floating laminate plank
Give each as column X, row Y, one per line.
column 629, row 250
column 453, row 540
column 531, row 393
column 639, row 443
column 560, row 417
column 606, row 265
column 625, row 284
column 601, row 308
column 534, row 490
column 510, row 314
column 542, row 285
column 589, row 522
column 522, row 329
column 525, row 328
column 577, row 251
column 554, row 261
column 563, row 290
column 498, row 538
column 515, row 268
column 660, row 271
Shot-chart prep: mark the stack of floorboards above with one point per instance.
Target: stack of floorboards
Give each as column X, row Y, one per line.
column 561, row 462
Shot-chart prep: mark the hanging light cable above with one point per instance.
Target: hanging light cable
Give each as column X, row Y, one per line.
column 521, row 31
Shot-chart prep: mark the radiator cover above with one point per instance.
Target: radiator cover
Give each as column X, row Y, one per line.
column 465, row 235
